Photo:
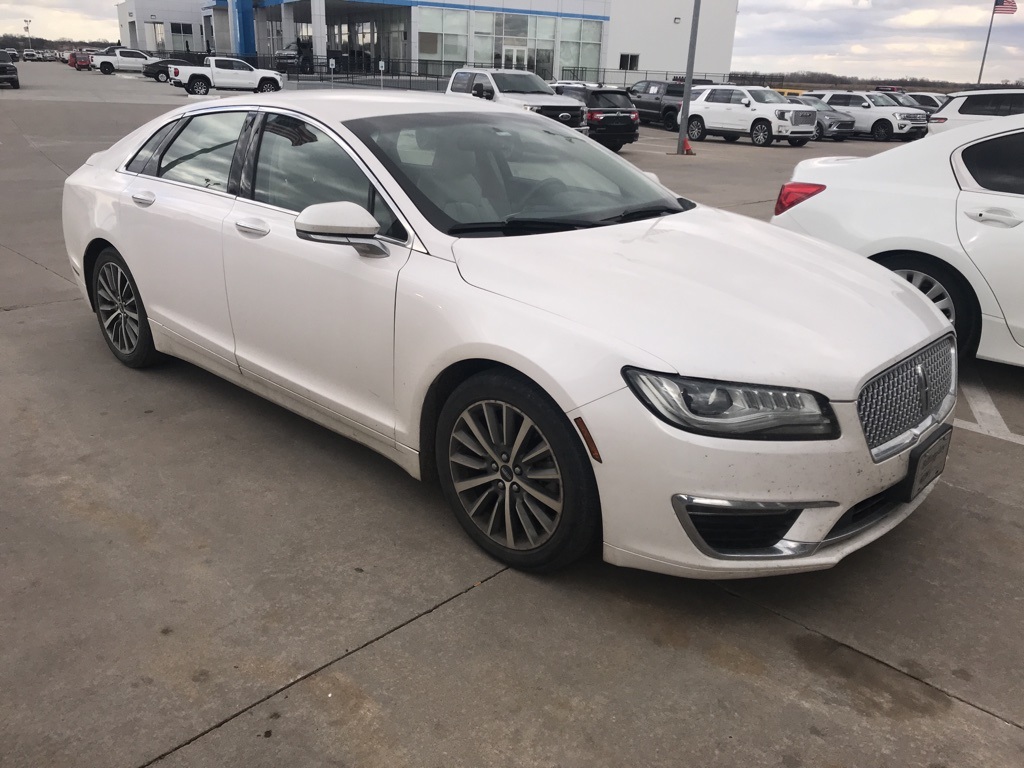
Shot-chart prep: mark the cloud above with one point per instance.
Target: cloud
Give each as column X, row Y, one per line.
column 53, row 19
column 877, row 38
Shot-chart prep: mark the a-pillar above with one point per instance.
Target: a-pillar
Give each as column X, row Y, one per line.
column 318, row 10
column 287, row 24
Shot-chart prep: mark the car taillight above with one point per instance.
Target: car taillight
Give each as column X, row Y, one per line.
column 175, row 71
column 634, row 116
column 937, row 119
column 594, row 114
column 795, row 192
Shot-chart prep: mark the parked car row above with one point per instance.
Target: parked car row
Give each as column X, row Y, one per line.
column 8, row 72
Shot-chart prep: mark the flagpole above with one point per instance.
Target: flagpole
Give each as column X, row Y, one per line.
column 989, row 37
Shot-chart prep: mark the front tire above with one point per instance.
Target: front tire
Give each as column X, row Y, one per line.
column 695, row 129
column 761, row 133
column 15, row 84
column 946, row 289
column 819, row 132
column 120, row 311
column 838, row 138
column 882, row 130
column 516, row 474
column 267, row 86
column 798, row 142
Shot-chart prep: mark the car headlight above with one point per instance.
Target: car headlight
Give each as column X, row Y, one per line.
column 528, row 108
column 740, row 411
column 906, row 116
column 782, row 114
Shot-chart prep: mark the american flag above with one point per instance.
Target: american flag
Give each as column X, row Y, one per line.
column 1005, row 6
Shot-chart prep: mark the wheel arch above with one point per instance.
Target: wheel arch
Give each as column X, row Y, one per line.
column 92, row 252
column 965, row 282
column 437, row 395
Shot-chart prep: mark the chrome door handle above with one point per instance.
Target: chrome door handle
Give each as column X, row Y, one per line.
column 145, row 199
column 253, row 227
column 999, row 216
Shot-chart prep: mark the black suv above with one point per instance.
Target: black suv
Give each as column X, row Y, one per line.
column 8, row 72
column 658, row 101
column 611, row 117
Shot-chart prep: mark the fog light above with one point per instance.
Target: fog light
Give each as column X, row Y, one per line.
column 903, row 126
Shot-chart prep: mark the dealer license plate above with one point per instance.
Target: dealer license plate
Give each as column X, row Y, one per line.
column 927, row 462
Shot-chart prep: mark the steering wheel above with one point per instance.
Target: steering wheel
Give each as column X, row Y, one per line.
column 546, row 188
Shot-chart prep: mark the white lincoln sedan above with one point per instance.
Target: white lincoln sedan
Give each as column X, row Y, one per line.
column 576, row 354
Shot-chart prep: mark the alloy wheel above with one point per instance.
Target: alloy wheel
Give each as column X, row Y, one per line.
column 118, row 308
column 818, row 133
column 506, row 475
column 933, row 289
column 759, row 134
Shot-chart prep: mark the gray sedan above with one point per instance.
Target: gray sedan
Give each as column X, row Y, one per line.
column 831, row 123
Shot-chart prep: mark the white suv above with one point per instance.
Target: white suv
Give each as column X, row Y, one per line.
column 874, row 113
column 731, row 111
column 970, row 107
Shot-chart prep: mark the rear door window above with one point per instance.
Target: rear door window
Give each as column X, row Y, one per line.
column 998, row 164
column 201, row 154
column 144, row 155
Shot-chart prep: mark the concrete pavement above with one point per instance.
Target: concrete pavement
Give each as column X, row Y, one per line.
column 190, row 573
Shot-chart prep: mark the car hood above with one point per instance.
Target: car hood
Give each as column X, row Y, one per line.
column 717, row 295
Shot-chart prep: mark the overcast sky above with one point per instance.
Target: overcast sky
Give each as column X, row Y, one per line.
column 939, row 39
column 942, row 39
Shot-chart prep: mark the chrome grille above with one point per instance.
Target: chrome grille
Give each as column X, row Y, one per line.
column 803, row 118
column 917, row 118
column 905, row 396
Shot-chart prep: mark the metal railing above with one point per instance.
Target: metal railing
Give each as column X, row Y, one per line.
column 623, row 78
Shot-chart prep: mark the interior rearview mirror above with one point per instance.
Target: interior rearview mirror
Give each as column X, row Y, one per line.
column 342, row 223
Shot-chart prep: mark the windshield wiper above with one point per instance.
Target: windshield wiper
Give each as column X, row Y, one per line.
column 514, row 225
column 644, row 212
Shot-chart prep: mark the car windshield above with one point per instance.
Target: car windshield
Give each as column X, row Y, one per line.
column 902, row 100
column 881, row 100
column 767, row 97
column 490, row 174
column 520, row 82
column 818, row 104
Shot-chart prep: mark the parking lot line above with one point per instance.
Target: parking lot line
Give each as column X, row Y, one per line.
column 981, row 404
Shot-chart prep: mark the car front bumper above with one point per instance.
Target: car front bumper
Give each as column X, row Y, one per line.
column 9, row 79
column 838, row 498
column 832, row 131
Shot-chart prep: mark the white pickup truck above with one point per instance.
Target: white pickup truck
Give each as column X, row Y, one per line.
column 517, row 88
column 224, row 74
column 121, row 60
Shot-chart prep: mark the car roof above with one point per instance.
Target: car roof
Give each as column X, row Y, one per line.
column 986, row 92
column 342, row 105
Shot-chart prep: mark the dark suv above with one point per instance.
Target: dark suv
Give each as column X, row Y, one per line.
column 611, row 117
column 8, row 72
column 657, row 101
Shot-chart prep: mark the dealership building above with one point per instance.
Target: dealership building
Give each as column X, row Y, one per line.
column 548, row 36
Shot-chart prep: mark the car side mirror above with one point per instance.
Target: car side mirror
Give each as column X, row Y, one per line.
column 745, row 102
column 559, row 90
column 478, row 90
column 866, row 106
column 342, row 223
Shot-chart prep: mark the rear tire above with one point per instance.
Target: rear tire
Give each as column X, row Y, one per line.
column 120, row 311
column 526, row 491
column 15, row 84
column 798, row 142
column 615, row 146
column 161, row 77
column 670, row 120
column 949, row 291
column 695, row 129
column 107, row 68
column 199, row 87
column 838, row 138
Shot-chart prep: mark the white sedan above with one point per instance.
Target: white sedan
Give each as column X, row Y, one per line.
column 944, row 214
column 487, row 298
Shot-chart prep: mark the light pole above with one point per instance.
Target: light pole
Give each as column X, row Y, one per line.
column 29, row 34
column 684, row 108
